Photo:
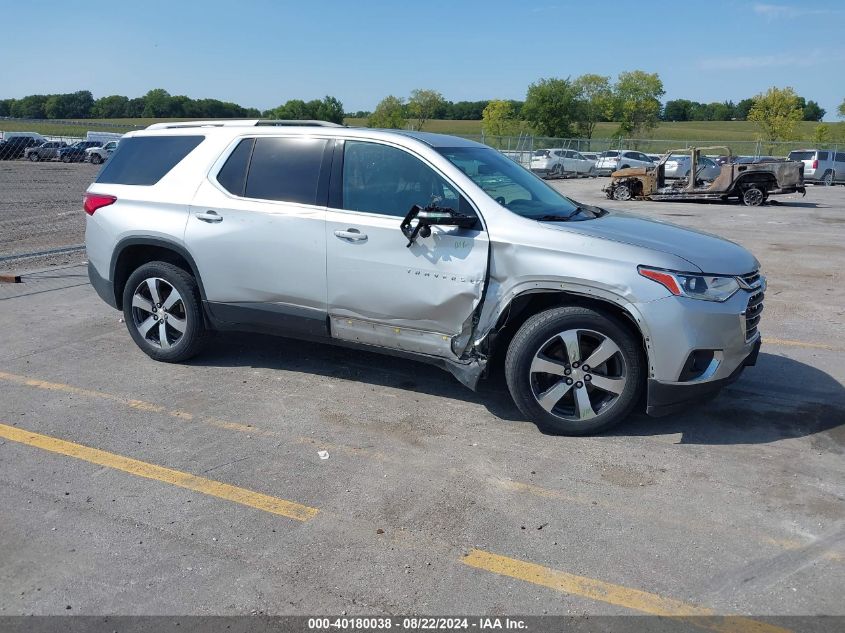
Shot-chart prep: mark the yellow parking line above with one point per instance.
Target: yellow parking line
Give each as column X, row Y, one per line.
column 210, row 487
column 789, row 343
column 610, row 593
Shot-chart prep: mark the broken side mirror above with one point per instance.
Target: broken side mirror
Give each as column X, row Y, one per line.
column 419, row 221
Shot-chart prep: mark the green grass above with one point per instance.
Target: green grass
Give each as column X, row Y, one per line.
column 745, row 132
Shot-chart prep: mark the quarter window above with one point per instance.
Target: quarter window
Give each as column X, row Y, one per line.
column 286, row 169
column 386, row 180
column 233, row 174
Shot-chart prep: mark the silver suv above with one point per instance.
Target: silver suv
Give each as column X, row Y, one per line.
column 422, row 245
column 821, row 166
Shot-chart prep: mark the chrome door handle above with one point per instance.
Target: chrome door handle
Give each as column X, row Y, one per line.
column 209, row 216
column 351, row 235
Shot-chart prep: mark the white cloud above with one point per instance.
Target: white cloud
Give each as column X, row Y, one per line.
column 775, row 11
column 802, row 59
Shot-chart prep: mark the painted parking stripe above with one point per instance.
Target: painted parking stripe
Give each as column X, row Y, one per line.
column 245, row 497
column 610, row 593
column 790, row 343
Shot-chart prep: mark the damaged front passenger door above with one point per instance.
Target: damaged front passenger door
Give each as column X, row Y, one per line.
column 385, row 288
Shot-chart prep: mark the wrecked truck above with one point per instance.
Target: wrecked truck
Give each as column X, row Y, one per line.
column 750, row 182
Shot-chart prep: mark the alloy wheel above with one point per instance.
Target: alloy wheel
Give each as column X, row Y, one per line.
column 578, row 374
column 158, row 312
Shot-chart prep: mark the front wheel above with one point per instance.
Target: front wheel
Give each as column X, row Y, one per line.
column 33, row 156
column 161, row 307
column 96, row 159
column 574, row 370
column 66, row 158
column 622, row 192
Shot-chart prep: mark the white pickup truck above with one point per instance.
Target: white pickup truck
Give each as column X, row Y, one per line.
column 99, row 155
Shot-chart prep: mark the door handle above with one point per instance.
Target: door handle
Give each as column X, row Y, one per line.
column 209, row 216
column 351, row 235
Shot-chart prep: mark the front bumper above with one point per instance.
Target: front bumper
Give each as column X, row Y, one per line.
column 666, row 398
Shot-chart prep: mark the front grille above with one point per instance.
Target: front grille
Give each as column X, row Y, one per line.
column 756, row 285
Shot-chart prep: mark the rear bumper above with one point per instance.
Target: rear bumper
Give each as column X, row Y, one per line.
column 666, row 398
column 103, row 287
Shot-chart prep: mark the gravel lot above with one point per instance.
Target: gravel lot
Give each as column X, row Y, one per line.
column 433, row 499
column 41, row 209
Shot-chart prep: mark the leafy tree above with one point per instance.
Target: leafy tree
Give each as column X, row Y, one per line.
column 6, row 107
column 594, row 102
column 550, row 107
column 112, row 107
column 327, row 109
column 157, row 103
column 743, row 108
column 74, row 105
column 677, row 110
column 841, row 109
column 425, row 105
column 812, row 111
column 497, row 119
column 777, row 112
column 821, row 134
column 330, row 109
column 637, row 96
column 389, row 113
column 135, row 107
column 29, row 107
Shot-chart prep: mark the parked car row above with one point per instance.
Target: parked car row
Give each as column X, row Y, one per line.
column 37, row 148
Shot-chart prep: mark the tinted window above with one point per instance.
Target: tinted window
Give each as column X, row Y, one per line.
column 822, row 155
column 840, row 157
column 802, row 155
column 286, row 169
column 382, row 179
column 144, row 160
column 233, row 174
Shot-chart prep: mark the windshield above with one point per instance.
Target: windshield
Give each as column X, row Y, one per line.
column 802, row 155
column 514, row 187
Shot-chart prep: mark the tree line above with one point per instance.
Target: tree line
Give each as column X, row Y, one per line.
column 553, row 107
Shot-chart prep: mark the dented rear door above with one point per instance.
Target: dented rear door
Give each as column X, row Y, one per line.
column 380, row 290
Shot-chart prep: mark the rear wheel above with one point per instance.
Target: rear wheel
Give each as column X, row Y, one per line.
column 96, row 159
column 753, row 197
column 161, row 307
column 574, row 370
column 557, row 170
column 827, row 179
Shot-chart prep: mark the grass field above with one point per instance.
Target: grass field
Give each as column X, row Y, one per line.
column 710, row 131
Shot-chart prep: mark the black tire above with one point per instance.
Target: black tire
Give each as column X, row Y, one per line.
column 96, row 159
column 538, row 334
column 622, row 193
column 828, row 178
column 66, row 158
column 34, row 157
column 195, row 335
column 625, row 167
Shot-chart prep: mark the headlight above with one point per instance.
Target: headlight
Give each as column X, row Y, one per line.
column 706, row 287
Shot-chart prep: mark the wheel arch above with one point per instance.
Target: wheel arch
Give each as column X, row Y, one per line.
column 132, row 252
column 767, row 180
column 530, row 302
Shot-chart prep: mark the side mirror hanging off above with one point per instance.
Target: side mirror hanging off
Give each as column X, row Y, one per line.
column 426, row 217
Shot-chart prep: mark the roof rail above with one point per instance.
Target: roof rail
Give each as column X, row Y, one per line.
column 173, row 125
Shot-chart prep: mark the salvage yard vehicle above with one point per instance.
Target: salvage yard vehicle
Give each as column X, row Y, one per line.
column 821, row 167
column 678, row 166
column 46, row 151
column 420, row 245
column 613, row 160
column 559, row 162
column 752, row 182
column 13, row 147
column 76, row 152
column 97, row 155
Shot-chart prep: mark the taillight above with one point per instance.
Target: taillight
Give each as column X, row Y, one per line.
column 93, row 201
column 816, row 164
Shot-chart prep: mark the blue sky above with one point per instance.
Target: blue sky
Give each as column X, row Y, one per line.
column 262, row 53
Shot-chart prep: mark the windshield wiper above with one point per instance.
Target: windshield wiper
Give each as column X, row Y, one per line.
column 552, row 217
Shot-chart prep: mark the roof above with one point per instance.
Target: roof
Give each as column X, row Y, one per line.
column 437, row 140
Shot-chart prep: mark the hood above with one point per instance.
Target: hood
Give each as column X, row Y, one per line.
column 708, row 253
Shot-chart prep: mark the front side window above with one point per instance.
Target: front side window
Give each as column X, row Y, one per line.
column 285, row 169
column 514, row 187
column 387, row 180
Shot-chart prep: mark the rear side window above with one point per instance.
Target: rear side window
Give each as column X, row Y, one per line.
column 144, row 160
column 840, row 157
column 286, row 169
column 822, row 155
column 233, row 174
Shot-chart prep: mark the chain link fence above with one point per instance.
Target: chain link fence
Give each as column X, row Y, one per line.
column 45, row 168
